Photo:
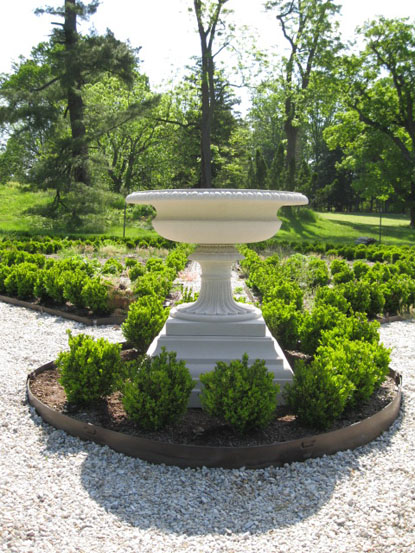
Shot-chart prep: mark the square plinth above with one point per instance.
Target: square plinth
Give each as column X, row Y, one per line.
column 202, row 344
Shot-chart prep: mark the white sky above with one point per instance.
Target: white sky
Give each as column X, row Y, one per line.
column 165, row 29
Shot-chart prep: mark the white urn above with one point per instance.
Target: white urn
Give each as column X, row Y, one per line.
column 215, row 327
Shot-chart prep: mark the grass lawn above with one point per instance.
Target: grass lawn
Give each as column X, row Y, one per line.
column 346, row 227
column 15, row 200
column 14, row 203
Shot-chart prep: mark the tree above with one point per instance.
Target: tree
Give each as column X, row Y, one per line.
column 208, row 16
column 307, row 26
column 127, row 150
column 377, row 128
column 45, row 97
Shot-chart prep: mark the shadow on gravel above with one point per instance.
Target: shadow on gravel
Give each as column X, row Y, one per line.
column 204, row 501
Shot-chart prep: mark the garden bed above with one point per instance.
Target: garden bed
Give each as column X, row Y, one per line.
column 200, row 440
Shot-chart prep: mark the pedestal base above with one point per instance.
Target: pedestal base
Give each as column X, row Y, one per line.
column 202, row 344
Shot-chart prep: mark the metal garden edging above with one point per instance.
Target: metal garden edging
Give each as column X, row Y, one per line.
column 251, row 457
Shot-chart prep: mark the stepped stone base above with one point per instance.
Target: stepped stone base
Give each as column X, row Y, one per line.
column 203, row 344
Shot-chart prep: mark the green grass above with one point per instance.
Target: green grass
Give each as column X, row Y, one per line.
column 16, row 200
column 346, row 227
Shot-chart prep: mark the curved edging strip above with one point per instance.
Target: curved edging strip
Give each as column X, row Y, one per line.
column 97, row 321
column 252, row 457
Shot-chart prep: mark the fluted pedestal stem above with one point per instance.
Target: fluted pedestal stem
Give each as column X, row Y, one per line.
column 216, row 301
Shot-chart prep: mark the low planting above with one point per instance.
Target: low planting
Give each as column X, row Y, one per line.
column 90, row 369
column 83, row 281
column 157, row 392
column 242, row 395
column 331, row 320
column 307, row 308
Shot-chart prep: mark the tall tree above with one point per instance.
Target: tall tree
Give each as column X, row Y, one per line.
column 45, row 97
column 208, row 16
column 377, row 129
column 82, row 59
column 310, row 31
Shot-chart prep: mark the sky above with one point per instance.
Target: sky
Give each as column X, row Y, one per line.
column 166, row 30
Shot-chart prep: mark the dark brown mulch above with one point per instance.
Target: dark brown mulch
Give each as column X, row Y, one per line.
column 197, row 427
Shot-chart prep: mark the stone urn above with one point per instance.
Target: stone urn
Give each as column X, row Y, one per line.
column 215, row 327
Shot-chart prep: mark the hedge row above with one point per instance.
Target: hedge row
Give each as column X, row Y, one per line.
column 49, row 245
column 147, row 315
column 371, row 252
column 80, row 281
column 348, row 363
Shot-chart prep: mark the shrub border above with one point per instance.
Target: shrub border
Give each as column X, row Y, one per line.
column 252, row 457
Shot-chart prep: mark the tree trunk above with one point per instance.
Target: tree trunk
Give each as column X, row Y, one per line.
column 412, row 204
column 73, row 80
column 206, row 126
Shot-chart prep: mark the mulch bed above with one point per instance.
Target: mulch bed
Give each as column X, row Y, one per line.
column 197, row 427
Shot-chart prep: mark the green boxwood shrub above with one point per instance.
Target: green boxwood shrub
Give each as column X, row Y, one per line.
column 243, row 395
column 287, row 292
column 318, row 395
column 53, row 284
column 355, row 327
column 89, row 370
column 322, row 317
column 317, row 273
column 399, row 294
column 345, row 275
column 284, row 322
column 112, row 267
column 95, row 296
column 357, row 293
column 360, row 269
column 364, row 364
column 331, row 296
column 73, row 283
column 21, row 280
column 4, row 273
column 158, row 393
column 145, row 319
column 338, row 266
column 154, row 284
column 136, row 271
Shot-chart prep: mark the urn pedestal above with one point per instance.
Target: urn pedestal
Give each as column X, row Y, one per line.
column 215, row 327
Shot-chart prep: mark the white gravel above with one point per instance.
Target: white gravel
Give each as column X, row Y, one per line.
column 61, row 495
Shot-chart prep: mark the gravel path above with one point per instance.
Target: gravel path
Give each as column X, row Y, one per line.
column 61, row 495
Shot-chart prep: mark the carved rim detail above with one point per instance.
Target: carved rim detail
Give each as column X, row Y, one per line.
column 183, row 455
column 218, row 194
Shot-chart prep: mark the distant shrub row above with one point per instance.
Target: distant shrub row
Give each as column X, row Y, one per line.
column 371, row 252
column 49, row 245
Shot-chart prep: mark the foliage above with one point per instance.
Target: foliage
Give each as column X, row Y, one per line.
column 20, row 281
column 318, row 395
column 89, row 370
column 145, row 319
column 112, row 267
column 364, row 364
column 326, row 295
column 284, row 322
column 375, row 128
column 158, row 393
column 95, row 296
column 321, row 318
column 73, row 284
column 241, row 394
